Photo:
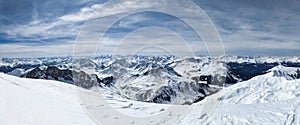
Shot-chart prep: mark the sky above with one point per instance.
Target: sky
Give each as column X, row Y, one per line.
column 35, row 28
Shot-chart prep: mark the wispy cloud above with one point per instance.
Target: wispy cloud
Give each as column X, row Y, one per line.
column 18, row 50
column 256, row 25
column 245, row 27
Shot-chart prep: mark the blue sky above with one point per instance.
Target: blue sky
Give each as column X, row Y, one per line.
column 30, row 28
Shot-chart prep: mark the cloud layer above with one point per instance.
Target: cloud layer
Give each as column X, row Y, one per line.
column 251, row 27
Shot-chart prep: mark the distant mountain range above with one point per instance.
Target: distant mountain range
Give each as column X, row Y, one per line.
column 160, row 79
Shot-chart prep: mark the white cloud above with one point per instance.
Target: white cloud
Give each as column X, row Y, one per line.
column 159, row 38
column 67, row 25
column 249, row 27
column 238, row 30
column 38, row 30
column 112, row 11
column 106, row 9
column 17, row 50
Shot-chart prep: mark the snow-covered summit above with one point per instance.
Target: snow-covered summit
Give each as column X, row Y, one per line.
column 283, row 70
column 271, row 98
column 277, row 85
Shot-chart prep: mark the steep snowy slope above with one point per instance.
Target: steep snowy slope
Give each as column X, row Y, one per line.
column 277, row 85
column 273, row 99
column 39, row 102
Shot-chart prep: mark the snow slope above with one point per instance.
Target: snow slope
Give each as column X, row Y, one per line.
column 274, row 86
column 272, row 99
column 39, row 102
column 269, row 99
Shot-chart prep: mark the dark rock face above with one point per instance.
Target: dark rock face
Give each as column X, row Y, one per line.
column 165, row 95
column 6, row 69
column 298, row 73
column 107, row 81
column 36, row 73
column 246, row 71
column 50, row 72
column 57, row 73
column 80, row 78
column 290, row 64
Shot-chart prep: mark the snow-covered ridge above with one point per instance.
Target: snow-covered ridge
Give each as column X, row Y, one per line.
column 291, row 71
column 275, row 86
column 272, row 98
column 39, row 102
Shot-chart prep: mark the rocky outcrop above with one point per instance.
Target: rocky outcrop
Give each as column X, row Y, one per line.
column 244, row 71
column 78, row 78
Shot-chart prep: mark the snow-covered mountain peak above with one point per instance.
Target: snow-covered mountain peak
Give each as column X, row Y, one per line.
column 286, row 70
column 271, row 87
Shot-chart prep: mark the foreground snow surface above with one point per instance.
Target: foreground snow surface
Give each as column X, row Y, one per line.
column 39, row 102
column 271, row 99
